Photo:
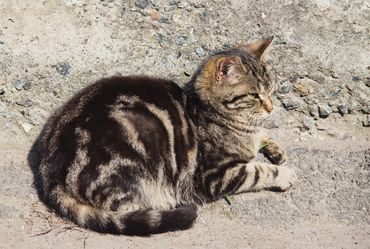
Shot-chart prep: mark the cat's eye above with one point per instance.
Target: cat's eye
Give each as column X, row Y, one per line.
column 253, row 95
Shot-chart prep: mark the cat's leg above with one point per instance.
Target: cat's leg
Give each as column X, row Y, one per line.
column 273, row 151
column 251, row 176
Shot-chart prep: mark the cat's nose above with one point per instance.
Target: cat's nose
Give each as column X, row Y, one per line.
column 269, row 108
column 267, row 105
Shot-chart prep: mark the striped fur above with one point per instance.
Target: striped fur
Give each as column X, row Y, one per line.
column 136, row 155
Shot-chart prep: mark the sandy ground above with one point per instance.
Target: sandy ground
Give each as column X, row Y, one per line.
column 328, row 207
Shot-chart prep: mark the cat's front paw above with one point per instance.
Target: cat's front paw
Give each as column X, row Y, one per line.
column 284, row 179
column 274, row 153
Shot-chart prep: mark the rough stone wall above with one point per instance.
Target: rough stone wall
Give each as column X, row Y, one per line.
column 50, row 49
column 321, row 62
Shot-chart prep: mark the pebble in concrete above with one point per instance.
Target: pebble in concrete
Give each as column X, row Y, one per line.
column 324, row 110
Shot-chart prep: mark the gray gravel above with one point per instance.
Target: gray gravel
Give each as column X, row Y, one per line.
column 324, row 110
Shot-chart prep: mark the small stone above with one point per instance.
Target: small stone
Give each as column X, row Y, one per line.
column 154, row 15
column 174, row 2
column 27, row 127
column 181, row 40
column 164, row 19
column 187, row 74
column 27, row 86
column 291, row 103
column 308, row 122
column 204, row 15
column 312, row 109
column 303, row 89
column 366, row 121
column 346, row 7
column 288, row 2
column 183, row 5
column 324, row 110
column 333, row 133
column 367, row 82
column 311, row 100
column 200, row 51
column 342, row 106
column 2, row 107
column 345, row 135
column 284, row 87
column 63, row 68
column 198, row 4
column 2, row 90
column 25, row 103
column 333, row 103
column 166, row 63
column 161, row 39
column 356, row 78
column 306, row 86
column 293, row 78
column 352, row 105
column 177, row 17
column 343, row 109
column 142, row 4
column 366, row 108
column 155, row 3
column 334, row 92
column 19, row 84
column 170, row 8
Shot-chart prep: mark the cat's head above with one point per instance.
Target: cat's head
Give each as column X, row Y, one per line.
column 236, row 80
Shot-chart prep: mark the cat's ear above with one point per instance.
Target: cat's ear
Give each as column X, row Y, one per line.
column 259, row 48
column 227, row 69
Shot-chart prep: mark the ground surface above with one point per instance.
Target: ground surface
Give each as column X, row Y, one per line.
column 321, row 62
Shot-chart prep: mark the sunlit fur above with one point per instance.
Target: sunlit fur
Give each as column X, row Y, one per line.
column 137, row 155
column 247, row 76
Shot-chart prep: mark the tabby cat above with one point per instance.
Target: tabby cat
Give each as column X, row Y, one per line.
column 136, row 155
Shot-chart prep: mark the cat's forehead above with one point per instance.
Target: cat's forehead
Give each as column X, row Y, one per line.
column 255, row 69
column 250, row 62
column 245, row 57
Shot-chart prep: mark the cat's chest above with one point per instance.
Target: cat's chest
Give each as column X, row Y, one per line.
column 245, row 145
column 219, row 143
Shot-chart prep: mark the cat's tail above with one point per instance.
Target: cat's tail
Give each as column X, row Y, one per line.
column 140, row 222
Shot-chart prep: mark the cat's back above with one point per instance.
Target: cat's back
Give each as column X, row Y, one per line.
column 110, row 91
column 149, row 103
column 136, row 119
column 122, row 93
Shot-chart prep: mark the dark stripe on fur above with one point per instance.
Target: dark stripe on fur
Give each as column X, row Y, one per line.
column 234, row 99
column 256, row 177
column 234, row 184
column 106, row 136
column 218, row 176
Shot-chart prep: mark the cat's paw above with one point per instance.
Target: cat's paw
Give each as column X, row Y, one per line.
column 274, row 153
column 284, row 179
